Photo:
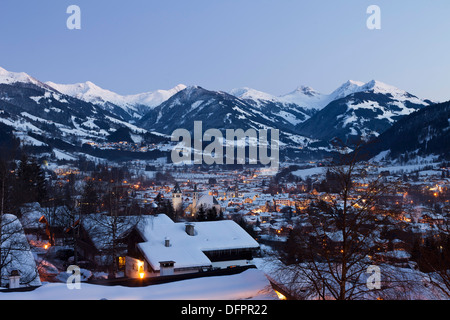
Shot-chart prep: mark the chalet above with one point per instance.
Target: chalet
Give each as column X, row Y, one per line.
column 99, row 239
column 45, row 226
column 158, row 246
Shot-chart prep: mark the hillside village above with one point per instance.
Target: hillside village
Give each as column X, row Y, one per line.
column 179, row 224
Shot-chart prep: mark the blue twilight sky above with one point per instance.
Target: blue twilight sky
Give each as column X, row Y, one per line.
column 273, row 46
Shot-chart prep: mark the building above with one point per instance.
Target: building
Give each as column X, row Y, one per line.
column 177, row 198
column 159, row 247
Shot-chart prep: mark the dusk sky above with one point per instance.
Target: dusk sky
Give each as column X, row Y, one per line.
column 273, row 46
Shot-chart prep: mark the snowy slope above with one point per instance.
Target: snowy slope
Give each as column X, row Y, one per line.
column 132, row 104
column 361, row 110
column 44, row 118
column 306, row 97
column 309, row 98
column 7, row 77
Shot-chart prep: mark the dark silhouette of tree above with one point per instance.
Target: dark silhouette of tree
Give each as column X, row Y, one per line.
column 332, row 257
column 32, row 181
column 90, row 198
column 201, row 214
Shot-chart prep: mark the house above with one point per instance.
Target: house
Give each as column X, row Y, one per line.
column 158, row 247
column 45, row 224
column 99, row 239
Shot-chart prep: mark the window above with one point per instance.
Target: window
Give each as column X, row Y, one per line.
column 122, row 262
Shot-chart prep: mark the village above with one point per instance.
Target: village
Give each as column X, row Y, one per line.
column 143, row 224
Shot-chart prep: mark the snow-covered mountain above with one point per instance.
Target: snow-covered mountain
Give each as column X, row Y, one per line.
column 221, row 110
column 10, row 78
column 421, row 134
column 306, row 97
column 43, row 117
column 361, row 110
column 46, row 114
column 275, row 107
column 134, row 105
column 303, row 97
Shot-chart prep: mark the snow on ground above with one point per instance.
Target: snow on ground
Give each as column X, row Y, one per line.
column 405, row 168
column 30, row 141
column 398, row 283
column 250, row 284
column 132, row 127
column 304, row 173
column 62, row 155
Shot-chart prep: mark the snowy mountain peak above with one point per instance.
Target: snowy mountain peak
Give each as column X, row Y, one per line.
column 179, row 87
column 380, row 87
column 308, row 91
column 90, row 92
column 306, row 97
column 347, row 88
column 249, row 93
column 8, row 77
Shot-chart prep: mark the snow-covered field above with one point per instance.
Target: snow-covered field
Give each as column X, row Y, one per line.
column 250, row 284
column 304, row 173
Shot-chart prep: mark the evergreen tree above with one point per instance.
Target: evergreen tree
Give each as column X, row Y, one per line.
column 201, row 214
column 32, row 183
column 211, row 214
column 89, row 201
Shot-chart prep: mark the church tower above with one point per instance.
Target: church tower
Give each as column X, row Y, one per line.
column 177, row 198
column 195, row 197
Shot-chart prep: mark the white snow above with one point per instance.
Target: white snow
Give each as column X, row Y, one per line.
column 307, row 97
column 60, row 155
column 381, row 156
column 30, row 141
column 185, row 250
column 249, row 93
column 20, row 125
column 250, row 284
column 129, row 125
column 7, row 77
column 304, row 173
column 90, row 92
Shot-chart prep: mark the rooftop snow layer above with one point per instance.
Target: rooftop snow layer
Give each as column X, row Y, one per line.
column 185, row 250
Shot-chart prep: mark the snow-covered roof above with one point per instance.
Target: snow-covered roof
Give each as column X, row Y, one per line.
column 207, row 200
column 185, row 250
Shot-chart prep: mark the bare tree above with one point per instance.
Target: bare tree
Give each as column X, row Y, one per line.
column 343, row 231
column 434, row 258
column 107, row 229
column 15, row 252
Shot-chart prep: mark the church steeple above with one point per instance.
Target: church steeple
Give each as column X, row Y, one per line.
column 177, row 189
column 194, row 197
column 177, row 197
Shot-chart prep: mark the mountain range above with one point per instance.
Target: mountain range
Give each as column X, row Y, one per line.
column 67, row 117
